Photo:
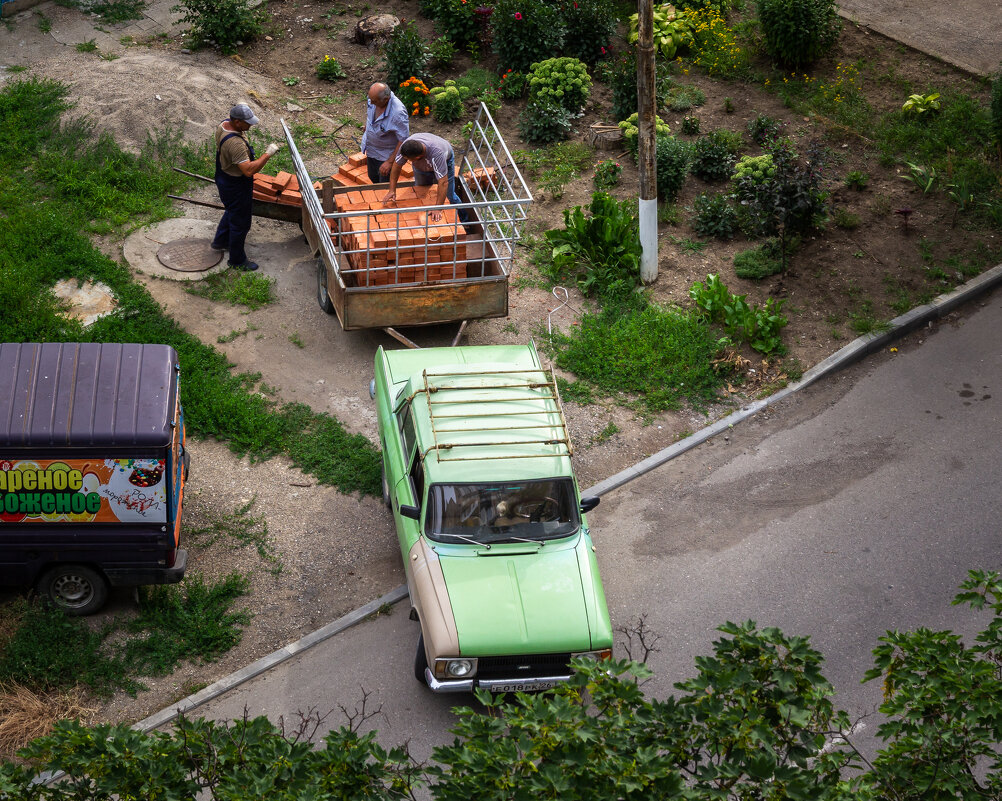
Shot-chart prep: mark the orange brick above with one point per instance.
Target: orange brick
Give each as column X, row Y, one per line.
column 357, row 159
column 282, row 179
column 292, row 196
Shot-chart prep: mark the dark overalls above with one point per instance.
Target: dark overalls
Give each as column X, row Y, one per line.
column 237, row 194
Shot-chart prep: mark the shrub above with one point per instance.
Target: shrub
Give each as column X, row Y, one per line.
column 714, row 216
column 759, row 326
column 447, row 102
column 762, row 128
column 443, row 51
column 997, row 107
column 543, row 122
column 563, row 80
column 607, row 174
column 623, row 84
column 590, row 26
column 330, row 69
column 415, row 96
column 525, row 31
column 224, row 22
column 798, row 32
column 492, row 99
column 721, row 7
column 757, row 263
column 456, row 20
column 631, row 131
column 405, row 55
column 857, row 179
column 672, row 165
column 713, row 155
column 690, row 125
column 715, row 47
column 601, row 251
column 512, row 85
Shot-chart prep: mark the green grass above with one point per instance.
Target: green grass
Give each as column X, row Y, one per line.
column 237, row 288
column 240, row 530
column 86, row 47
column 59, row 183
column 556, row 165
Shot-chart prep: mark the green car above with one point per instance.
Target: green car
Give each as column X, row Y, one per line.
column 500, row 565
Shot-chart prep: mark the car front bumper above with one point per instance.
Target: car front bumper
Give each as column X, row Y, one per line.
column 493, row 685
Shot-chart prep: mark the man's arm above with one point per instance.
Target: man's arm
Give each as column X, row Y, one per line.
column 249, row 168
column 384, row 168
column 394, row 176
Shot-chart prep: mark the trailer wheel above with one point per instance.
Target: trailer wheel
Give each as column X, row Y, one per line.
column 323, row 296
column 420, row 661
column 75, row 589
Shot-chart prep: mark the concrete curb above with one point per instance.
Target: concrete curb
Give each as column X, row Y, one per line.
column 855, row 350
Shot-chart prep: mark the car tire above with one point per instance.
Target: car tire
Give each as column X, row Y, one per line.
column 386, row 491
column 323, row 296
column 420, row 661
column 75, row 589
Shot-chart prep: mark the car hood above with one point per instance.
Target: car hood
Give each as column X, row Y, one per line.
column 512, row 603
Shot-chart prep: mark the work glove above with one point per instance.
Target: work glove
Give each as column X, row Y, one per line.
column 272, row 149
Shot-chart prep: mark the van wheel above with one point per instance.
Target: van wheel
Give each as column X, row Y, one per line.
column 323, row 296
column 420, row 661
column 75, row 589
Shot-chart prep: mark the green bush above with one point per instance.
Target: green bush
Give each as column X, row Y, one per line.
column 759, row 326
column 997, row 107
column 672, row 165
column 330, row 69
column 679, row 98
column 590, row 27
column 714, row 216
column 405, row 55
column 526, row 31
column 544, row 122
column 443, row 51
column 600, row 251
column 512, row 85
column 448, row 102
column 757, row 263
column 763, row 128
column 713, row 155
column 721, row 7
column 690, row 126
column 222, row 22
column 623, row 83
column 456, row 20
column 563, row 80
column 798, row 32
column 631, row 132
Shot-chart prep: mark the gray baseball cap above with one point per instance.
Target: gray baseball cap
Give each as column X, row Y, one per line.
column 241, row 111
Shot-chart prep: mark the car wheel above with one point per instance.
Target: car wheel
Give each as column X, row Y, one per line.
column 323, row 296
column 75, row 589
column 386, row 490
column 420, row 661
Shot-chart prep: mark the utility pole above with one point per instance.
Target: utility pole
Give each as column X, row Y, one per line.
column 648, row 211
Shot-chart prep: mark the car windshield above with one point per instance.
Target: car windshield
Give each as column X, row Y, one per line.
column 505, row 512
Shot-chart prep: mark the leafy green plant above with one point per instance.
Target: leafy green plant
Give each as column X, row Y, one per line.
column 44, row 23
column 631, row 131
column 512, row 85
column 456, row 20
column 590, row 26
column 447, row 102
column 607, row 174
column 672, row 161
column 622, row 78
column 543, row 122
column 996, row 107
column 857, row 179
column 669, row 214
column 330, row 69
column 681, row 98
column 714, row 216
column 598, row 250
column 443, row 51
column 562, row 80
column 224, row 22
column 846, row 219
column 713, row 155
column 925, row 178
column 291, row 80
column 672, row 31
column 492, row 99
column 798, row 32
column 405, row 55
column 760, row 327
column 758, row 262
column 690, row 125
column 921, row 104
column 719, row 50
column 755, row 169
column 763, row 128
column 526, row 31
column 86, row 47
column 237, row 288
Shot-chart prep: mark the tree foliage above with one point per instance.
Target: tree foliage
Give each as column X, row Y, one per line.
column 756, row 721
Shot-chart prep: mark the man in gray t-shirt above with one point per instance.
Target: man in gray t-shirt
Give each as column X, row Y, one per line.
column 434, row 163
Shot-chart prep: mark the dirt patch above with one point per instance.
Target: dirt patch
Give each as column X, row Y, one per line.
column 340, row 551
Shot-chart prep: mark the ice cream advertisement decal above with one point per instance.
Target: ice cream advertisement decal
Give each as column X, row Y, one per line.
column 83, row 491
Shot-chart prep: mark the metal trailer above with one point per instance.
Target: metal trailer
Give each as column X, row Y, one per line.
column 369, row 287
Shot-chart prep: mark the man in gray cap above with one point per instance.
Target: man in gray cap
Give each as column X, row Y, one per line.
column 386, row 127
column 235, row 168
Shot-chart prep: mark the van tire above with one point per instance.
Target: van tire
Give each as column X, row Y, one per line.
column 75, row 589
column 420, row 661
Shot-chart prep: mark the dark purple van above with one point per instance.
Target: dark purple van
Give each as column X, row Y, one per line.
column 92, row 469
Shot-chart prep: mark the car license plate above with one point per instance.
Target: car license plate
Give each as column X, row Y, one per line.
column 518, row 687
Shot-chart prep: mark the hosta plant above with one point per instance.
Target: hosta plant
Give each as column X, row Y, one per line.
column 672, row 30
column 920, row 104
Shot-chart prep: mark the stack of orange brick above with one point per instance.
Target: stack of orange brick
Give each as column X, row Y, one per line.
column 282, row 188
column 356, row 173
column 399, row 247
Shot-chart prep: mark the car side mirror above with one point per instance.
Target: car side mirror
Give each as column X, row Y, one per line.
column 587, row 504
column 413, row 512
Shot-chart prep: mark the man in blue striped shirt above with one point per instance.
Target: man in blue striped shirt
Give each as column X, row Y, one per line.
column 386, row 127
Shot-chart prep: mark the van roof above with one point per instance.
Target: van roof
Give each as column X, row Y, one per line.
column 85, row 395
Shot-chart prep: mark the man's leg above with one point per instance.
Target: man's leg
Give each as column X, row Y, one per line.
column 450, row 167
column 373, row 165
column 221, row 241
column 238, row 201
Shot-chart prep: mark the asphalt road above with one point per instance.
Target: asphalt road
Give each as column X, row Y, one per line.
column 856, row 506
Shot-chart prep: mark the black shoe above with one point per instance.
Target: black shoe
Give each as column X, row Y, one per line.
column 217, row 248
column 247, row 266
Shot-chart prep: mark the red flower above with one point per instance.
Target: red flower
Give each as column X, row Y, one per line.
column 575, row 5
column 518, row 15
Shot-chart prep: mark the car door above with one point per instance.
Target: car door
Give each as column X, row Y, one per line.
column 407, row 486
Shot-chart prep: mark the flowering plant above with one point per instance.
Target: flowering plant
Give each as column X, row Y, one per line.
column 512, row 85
column 330, row 69
column 414, row 95
column 590, row 28
column 526, row 31
column 607, row 174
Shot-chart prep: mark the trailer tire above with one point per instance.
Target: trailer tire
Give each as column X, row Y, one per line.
column 75, row 589
column 323, row 296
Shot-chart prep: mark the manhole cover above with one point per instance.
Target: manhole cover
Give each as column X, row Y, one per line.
column 189, row 255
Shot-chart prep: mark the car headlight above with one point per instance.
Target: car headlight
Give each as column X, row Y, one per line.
column 598, row 656
column 455, row 668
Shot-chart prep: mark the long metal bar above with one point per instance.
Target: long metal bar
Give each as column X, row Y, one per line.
column 196, row 202
column 194, row 175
